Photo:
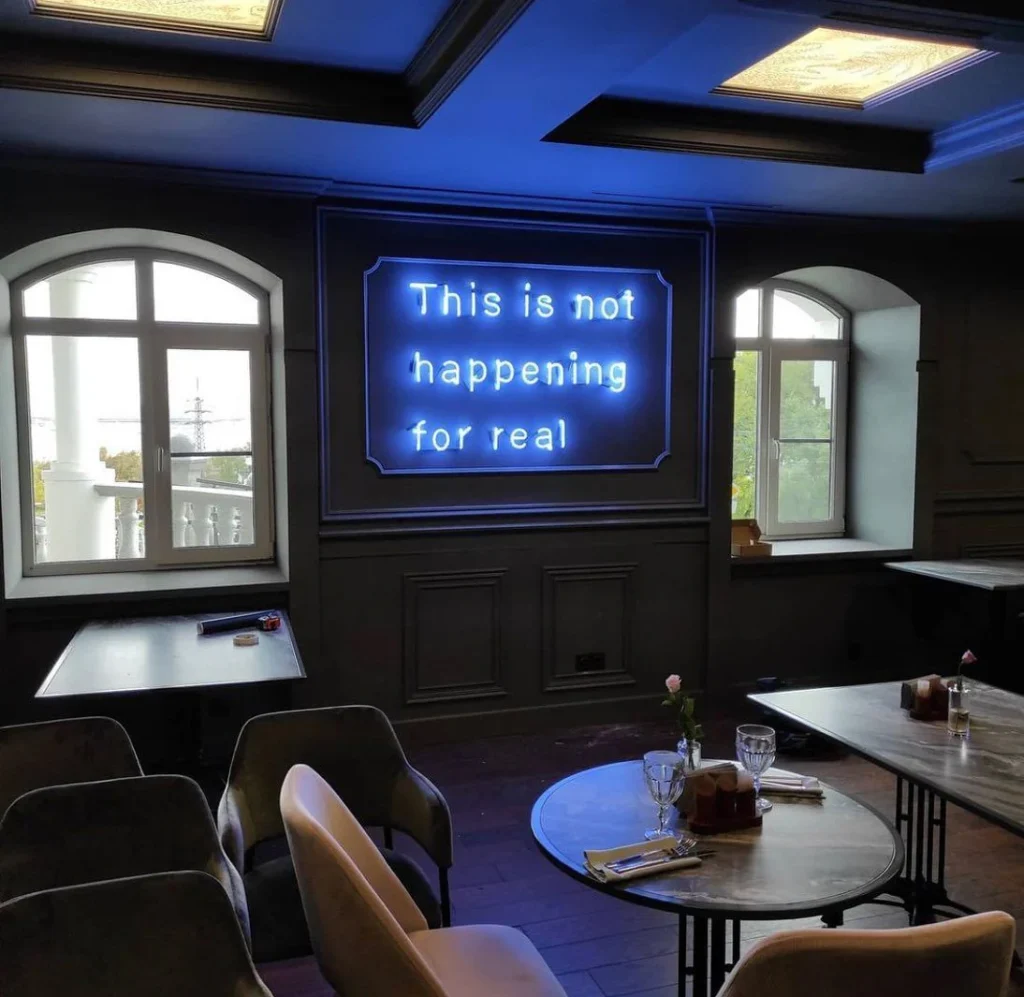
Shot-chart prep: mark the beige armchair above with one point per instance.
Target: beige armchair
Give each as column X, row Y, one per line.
column 368, row 935
column 966, row 957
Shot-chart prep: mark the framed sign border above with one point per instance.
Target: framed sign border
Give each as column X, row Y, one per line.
column 531, row 469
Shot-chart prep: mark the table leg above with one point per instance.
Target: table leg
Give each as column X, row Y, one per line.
column 700, row 958
column 717, row 969
column 683, row 968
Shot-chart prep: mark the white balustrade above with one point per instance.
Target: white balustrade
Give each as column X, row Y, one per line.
column 201, row 517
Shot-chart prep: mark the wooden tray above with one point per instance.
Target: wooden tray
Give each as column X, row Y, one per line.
column 915, row 715
column 726, row 824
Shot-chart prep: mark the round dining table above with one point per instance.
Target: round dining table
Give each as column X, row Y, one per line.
column 810, row 857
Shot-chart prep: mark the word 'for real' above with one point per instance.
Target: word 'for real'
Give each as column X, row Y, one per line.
column 439, row 439
column 440, row 299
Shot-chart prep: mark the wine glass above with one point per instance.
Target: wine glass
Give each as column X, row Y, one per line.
column 755, row 749
column 664, row 774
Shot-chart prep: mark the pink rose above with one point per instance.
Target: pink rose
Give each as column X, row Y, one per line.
column 968, row 658
column 673, row 683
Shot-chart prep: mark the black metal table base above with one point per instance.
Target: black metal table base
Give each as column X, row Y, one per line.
column 710, row 966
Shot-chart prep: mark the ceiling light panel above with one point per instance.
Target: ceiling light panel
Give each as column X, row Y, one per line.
column 849, row 68
column 234, row 18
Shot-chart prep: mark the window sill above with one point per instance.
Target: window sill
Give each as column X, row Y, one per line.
column 798, row 555
column 141, row 583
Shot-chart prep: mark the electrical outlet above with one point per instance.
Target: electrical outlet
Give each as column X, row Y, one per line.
column 591, row 662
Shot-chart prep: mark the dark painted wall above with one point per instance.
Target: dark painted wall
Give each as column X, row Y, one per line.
column 442, row 622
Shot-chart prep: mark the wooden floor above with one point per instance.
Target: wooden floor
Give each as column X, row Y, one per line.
column 597, row 945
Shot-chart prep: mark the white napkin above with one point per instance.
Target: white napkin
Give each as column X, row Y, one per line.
column 596, row 861
column 779, row 784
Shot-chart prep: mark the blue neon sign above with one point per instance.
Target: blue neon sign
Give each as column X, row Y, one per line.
column 495, row 367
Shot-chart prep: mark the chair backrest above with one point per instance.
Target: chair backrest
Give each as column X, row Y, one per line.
column 359, row 914
column 62, row 751
column 165, row 935
column 353, row 747
column 968, row 955
column 93, row 831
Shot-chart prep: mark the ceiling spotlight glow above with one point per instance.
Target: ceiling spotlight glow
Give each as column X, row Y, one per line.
column 234, row 18
column 849, row 68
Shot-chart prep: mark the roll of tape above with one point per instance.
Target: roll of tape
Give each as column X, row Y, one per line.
column 246, row 640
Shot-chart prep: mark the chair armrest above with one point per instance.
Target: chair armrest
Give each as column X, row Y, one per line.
column 229, row 829
column 419, row 809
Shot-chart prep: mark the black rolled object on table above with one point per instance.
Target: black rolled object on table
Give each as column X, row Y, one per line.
column 237, row 622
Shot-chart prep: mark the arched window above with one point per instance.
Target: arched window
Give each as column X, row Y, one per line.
column 789, row 436
column 141, row 379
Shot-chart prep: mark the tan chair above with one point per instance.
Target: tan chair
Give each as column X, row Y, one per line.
column 965, row 957
column 368, row 935
column 355, row 749
column 94, row 831
column 168, row 935
column 62, row 751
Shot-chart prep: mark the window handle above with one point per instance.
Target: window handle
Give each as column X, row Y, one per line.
column 159, row 460
column 776, row 450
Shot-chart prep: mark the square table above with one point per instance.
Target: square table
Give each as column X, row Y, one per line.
column 981, row 773
column 166, row 654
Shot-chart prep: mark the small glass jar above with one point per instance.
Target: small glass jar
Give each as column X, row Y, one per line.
column 958, row 721
column 690, row 750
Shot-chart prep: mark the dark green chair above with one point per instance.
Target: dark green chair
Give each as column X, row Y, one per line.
column 61, row 751
column 94, row 831
column 356, row 751
column 168, row 935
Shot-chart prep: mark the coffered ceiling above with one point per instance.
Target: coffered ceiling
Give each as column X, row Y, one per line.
column 572, row 100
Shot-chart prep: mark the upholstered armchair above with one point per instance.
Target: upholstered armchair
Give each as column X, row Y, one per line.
column 62, row 751
column 167, row 935
column 965, row 956
column 369, row 936
column 357, row 752
column 93, row 831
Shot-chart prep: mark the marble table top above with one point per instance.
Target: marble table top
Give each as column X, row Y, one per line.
column 983, row 774
column 808, row 857
column 998, row 575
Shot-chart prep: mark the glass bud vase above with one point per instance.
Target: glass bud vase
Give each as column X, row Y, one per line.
column 690, row 750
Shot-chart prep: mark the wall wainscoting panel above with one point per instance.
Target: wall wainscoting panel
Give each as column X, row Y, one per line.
column 451, row 635
column 589, row 614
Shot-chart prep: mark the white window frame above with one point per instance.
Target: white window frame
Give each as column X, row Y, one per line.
column 154, row 338
column 771, row 354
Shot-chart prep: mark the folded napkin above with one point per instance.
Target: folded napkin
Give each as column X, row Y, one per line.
column 780, row 784
column 597, row 860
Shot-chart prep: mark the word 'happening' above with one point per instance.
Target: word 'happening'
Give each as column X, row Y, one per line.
column 475, row 373
column 440, row 299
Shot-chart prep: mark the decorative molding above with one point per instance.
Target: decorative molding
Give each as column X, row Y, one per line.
column 30, row 62
column 556, row 578
column 466, row 33
column 978, row 137
column 1001, row 460
column 992, row 503
column 623, row 123
column 414, row 584
column 986, row 551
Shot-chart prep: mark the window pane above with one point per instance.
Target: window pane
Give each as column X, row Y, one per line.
column 211, row 501
column 182, row 294
column 208, row 398
column 797, row 317
column 748, row 314
column 805, row 482
column 805, row 399
column 744, row 435
column 95, row 290
column 86, row 447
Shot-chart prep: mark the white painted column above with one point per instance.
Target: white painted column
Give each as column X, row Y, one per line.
column 80, row 524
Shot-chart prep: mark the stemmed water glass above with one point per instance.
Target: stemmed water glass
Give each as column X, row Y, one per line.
column 664, row 774
column 755, row 750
